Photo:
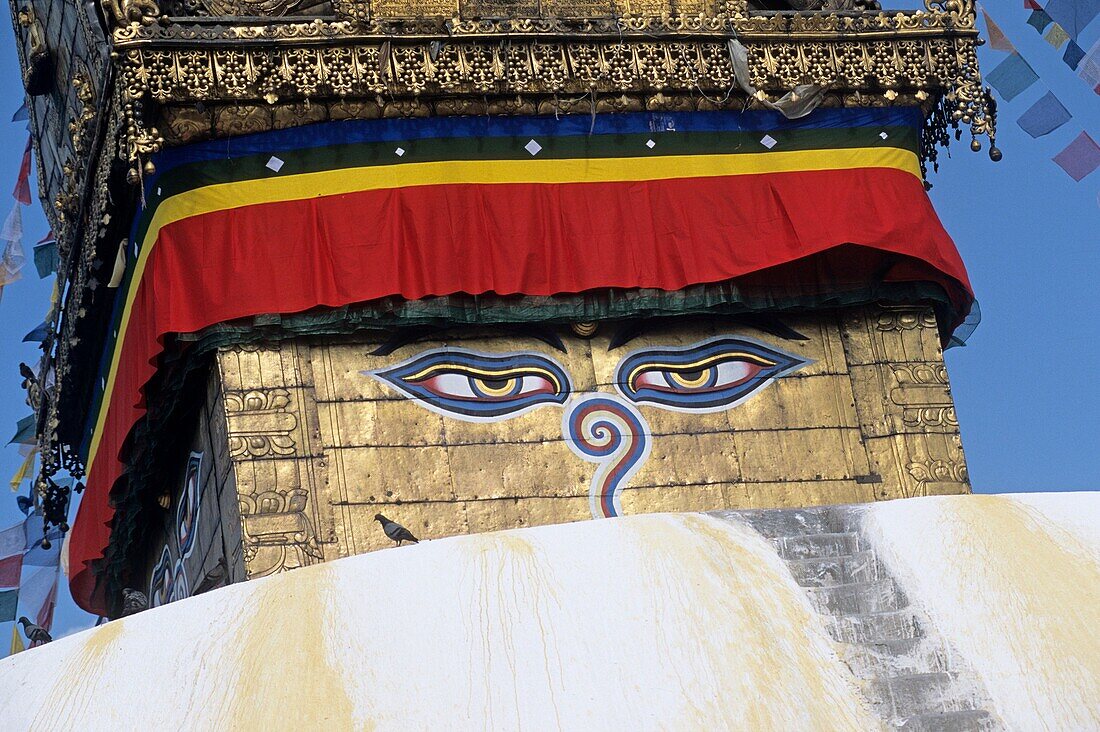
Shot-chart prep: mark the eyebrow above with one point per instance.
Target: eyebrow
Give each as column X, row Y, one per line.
column 769, row 324
column 408, row 336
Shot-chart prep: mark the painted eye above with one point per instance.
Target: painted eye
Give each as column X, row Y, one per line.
column 705, row 377
column 478, row 386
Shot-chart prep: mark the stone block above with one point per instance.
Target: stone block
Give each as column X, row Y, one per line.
column 859, row 567
column 813, row 546
column 874, row 627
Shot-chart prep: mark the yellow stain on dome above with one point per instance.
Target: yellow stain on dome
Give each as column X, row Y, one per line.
column 67, row 704
column 771, row 647
column 284, row 678
column 1041, row 590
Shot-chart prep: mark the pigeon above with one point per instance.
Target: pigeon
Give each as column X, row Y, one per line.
column 133, row 601
column 36, row 634
column 394, row 530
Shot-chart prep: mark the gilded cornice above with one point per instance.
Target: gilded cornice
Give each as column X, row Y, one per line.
column 363, row 52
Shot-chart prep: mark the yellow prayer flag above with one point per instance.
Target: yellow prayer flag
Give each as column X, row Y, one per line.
column 1056, row 35
column 21, row 473
column 16, row 641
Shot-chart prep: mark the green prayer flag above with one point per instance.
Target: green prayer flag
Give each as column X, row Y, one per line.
column 45, row 259
column 24, row 431
column 9, row 601
column 1012, row 77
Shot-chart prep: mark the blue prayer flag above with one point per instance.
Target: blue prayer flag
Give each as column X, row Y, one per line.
column 1073, row 54
column 1039, row 20
column 1073, row 15
column 1012, row 76
column 9, row 601
column 21, row 114
column 24, row 431
column 38, row 334
column 1044, row 117
column 45, row 259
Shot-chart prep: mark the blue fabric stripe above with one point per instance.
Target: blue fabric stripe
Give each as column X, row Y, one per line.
column 346, row 132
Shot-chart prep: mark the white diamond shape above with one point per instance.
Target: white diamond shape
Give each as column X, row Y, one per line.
column 650, row 144
column 883, row 135
column 399, row 152
column 532, row 147
column 768, row 141
column 275, row 164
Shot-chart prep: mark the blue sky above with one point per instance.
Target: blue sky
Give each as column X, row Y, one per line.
column 1026, row 388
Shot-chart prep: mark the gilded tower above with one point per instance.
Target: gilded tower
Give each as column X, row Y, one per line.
column 483, row 264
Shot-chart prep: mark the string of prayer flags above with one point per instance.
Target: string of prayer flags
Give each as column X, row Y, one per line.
column 1044, row 117
column 1073, row 15
column 1012, row 76
column 1081, row 157
column 998, row 41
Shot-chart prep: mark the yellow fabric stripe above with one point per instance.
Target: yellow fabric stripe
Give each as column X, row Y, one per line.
column 224, row 196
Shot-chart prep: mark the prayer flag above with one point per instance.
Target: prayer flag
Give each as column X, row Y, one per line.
column 11, row 256
column 21, row 114
column 998, row 41
column 45, row 259
column 1056, row 36
column 36, row 554
column 1039, row 20
column 1044, row 117
column 9, row 570
column 21, row 473
column 1073, row 54
column 24, row 432
column 37, row 595
column 1032, row 5
column 12, row 541
column 119, row 270
column 1012, row 76
column 16, row 641
column 22, row 192
column 9, row 601
column 38, row 334
column 1081, row 157
column 1073, row 15
column 1089, row 70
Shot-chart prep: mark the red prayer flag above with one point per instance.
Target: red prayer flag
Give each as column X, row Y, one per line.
column 1032, row 5
column 998, row 41
column 10, row 568
column 22, row 192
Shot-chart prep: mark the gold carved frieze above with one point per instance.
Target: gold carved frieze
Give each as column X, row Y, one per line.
column 278, row 472
column 259, row 423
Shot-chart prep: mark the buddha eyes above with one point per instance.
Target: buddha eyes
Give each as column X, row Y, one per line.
column 705, row 377
column 478, row 386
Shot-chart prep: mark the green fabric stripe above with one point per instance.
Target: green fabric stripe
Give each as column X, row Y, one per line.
column 359, row 155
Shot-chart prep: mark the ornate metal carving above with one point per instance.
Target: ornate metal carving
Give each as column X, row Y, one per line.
column 278, row 535
column 259, row 423
column 931, row 473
